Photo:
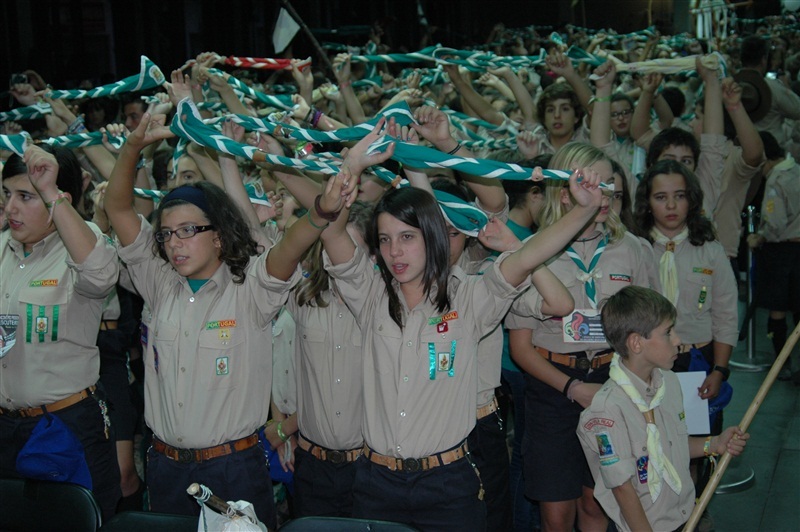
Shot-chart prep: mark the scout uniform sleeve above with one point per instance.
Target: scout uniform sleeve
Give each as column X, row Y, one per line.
column 98, row 274
column 774, row 218
column 493, row 296
column 709, row 170
column 277, row 289
column 604, row 437
column 355, row 279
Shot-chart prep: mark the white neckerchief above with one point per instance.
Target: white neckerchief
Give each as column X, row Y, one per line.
column 667, row 271
column 659, row 465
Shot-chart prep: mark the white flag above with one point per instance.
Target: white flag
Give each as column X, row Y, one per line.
column 285, row 30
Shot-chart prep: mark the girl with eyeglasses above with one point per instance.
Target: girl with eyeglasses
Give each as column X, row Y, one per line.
column 208, row 359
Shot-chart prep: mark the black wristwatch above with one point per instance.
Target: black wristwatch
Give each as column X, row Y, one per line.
column 726, row 372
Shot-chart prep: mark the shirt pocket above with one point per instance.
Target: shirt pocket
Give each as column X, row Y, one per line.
column 445, row 350
column 222, row 361
column 695, row 294
column 44, row 313
column 313, row 342
column 387, row 342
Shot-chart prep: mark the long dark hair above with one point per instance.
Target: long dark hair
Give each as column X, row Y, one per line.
column 700, row 228
column 419, row 209
column 236, row 243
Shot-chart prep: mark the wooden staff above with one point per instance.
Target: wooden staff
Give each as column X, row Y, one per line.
column 705, row 498
column 307, row 31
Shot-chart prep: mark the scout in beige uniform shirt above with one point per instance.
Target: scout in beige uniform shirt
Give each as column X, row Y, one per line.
column 209, row 355
column 57, row 306
column 615, row 421
column 329, row 381
column 707, row 299
column 418, row 402
column 621, row 264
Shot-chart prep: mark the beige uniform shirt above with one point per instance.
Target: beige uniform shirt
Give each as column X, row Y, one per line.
column 780, row 209
column 581, row 134
column 420, row 382
column 736, row 177
column 208, row 362
column 284, row 346
column 708, row 295
column 613, row 435
column 53, row 306
column 621, row 264
column 329, row 362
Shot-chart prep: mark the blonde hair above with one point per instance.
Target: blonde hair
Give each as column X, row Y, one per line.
column 572, row 156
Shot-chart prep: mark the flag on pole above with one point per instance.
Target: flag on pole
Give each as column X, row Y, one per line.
column 285, row 30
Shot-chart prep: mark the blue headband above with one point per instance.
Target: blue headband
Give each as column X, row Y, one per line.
column 189, row 194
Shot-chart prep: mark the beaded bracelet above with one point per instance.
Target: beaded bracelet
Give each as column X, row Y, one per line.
column 60, row 197
column 707, row 448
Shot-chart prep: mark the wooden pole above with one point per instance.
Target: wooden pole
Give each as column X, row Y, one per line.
column 323, row 56
column 705, row 498
column 213, row 501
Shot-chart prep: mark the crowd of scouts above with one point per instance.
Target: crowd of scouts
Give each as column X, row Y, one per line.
column 360, row 332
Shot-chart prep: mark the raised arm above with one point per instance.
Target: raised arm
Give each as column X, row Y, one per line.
column 640, row 122
column 601, row 115
column 119, row 194
column 552, row 239
column 341, row 66
column 521, row 94
column 746, row 132
column 713, row 123
column 78, row 238
column 562, row 66
column 434, row 126
column 477, row 102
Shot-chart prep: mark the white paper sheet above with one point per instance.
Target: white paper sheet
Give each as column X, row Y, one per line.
column 696, row 409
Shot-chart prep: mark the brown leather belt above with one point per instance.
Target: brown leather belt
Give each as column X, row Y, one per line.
column 685, row 348
column 328, row 455
column 574, row 360
column 489, row 408
column 412, row 465
column 53, row 407
column 186, row 456
column 109, row 325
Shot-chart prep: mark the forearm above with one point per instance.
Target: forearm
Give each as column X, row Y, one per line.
column 207, row 166
column 663, row 111
column 478, row 103
column 143, row 206
column 523, row 97
column 556, row 299
column 77, row 236
column 234, row 187
column 749, row 139
column 600, row 123
column 101, row 158
column 722, row 353
column 303, row 188
column 631, row 508
column 354, row 109
column 119, row 196
column 232, row 102
column 581, row 89
column 545, row 244
column 713, row 123
column 640, row 122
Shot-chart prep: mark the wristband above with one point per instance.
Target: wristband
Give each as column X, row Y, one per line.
column 565, row 391
column 77, row 126
column 454, row 150
column 345, row 84
column 309, row 115
column 281, row 434
column 317, row 115
column 327, row 216
column 726, row 372
column 601, row 99
column 733, row 107
column 60, row 197
column 707, row 448
column 311, row 220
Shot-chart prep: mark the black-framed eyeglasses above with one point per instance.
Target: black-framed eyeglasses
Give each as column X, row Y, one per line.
column 620, row 114
column 187, row 231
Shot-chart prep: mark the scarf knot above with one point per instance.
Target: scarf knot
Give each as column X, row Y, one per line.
column 667, row 270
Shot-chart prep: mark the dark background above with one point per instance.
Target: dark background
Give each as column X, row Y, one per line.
column 70, row 40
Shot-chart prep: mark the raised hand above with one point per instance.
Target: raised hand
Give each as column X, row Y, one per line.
column 584, row 185
column 151, row 129
column 731, row 92
column 42, row 171
column 357, row 158
column 497, row 236
column 528, row 145
column 433, row 125
column 113, row 130
column 180, row 88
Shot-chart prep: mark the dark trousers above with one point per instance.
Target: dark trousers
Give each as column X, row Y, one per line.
column 488, row 449
column 440, row 499
column 239, row 476
column 322, row 488
column 85, row 420
column 522, row 509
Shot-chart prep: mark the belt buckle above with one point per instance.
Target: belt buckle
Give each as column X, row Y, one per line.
column 412, row 465
column 583, row 363
column 14, row 414
column 335, row 457
column 185, row 456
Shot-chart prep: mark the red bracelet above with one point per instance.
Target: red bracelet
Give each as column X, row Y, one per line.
column 344, row 84
column 327, row 216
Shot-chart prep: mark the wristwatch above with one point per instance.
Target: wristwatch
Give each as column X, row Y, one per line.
column 726, row 372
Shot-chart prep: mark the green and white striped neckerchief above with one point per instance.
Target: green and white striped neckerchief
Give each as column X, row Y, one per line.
column 587, row 274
